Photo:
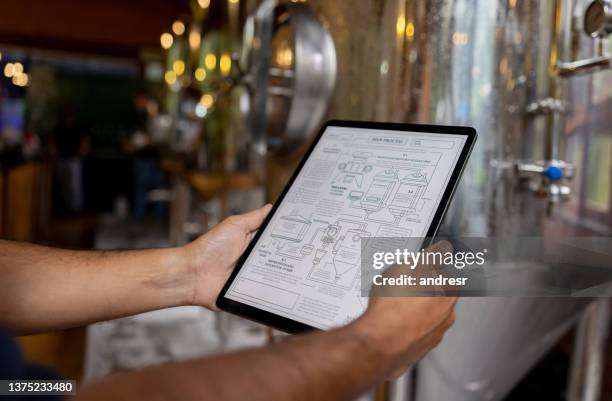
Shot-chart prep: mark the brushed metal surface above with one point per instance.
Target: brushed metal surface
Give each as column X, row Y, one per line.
column 477, row 63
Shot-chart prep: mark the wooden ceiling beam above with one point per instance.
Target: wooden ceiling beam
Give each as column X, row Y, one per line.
column 110, row 27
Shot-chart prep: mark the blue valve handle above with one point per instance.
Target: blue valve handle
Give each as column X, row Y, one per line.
column 553, row 173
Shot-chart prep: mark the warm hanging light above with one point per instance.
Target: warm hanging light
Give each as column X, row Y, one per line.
column 194, row 39
column 410, row 30
column 400, row 25
column 20, row 80
column 178, row 67
column 204, row 3
column 17, row 69
column 178, row 27
column 284, row 55
column 200, row 74
column 210, row 61
column 207, row 100
column 225, row 64
column 170, row 77
column 166, row 40
column 8, row 70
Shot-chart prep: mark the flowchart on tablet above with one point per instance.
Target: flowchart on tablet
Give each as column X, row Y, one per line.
column 353, row 186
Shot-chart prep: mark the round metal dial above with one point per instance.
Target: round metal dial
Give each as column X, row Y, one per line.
column 597, row 18
column 593, row 17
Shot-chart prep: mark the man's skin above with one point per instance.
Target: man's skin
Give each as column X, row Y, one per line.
column 45, row 289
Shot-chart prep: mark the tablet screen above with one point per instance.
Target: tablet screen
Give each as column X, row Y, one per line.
column 356, row 183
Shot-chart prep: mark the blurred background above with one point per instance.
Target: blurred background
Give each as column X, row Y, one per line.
column 135, row 124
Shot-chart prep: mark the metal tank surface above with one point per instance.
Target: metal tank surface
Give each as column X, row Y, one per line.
column 491, row 65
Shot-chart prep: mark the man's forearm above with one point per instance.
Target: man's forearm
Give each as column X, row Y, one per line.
column 44, row 288
column 335, row 365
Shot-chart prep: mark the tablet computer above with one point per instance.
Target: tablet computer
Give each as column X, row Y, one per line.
column 358, row 179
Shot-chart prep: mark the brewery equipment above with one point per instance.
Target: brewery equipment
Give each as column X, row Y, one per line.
column 531, row 76
column 289, row 65
column 507, row 68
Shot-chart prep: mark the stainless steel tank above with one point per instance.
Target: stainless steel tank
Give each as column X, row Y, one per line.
column 490, row 64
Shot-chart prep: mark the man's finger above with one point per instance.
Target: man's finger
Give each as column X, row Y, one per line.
column 441, row 247
column 253, row 219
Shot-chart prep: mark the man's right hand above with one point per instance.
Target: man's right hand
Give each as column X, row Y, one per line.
column 404, row 329
column 334, row 365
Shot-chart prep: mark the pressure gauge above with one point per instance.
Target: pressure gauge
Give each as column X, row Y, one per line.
column 598, row 18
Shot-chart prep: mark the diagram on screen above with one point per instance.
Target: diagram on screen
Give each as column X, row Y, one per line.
column 354, row 169
column 289, row 232
column 378, row 187
column 337, row 252
column 325, row 164
column 390, row 197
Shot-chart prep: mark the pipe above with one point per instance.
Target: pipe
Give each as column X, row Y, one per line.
column 553, row 137
column 572, row 68
column 588, row 358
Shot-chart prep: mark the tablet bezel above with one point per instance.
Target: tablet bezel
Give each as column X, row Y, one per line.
column 293, row 326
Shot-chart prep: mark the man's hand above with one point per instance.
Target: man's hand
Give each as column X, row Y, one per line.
column 213, row 256
column 407, row 328
column 334, row 365
column 44, row 288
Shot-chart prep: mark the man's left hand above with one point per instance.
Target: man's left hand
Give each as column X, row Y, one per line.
column 213, row 256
